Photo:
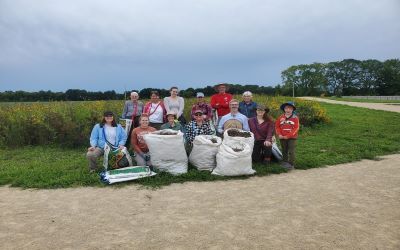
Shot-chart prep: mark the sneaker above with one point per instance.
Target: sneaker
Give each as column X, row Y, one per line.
column 287, row 166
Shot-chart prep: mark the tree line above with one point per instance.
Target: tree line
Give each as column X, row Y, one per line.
column 347, row 77
column 83, row 95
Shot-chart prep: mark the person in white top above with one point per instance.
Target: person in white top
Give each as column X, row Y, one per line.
column 155, row 110
column 175, row 104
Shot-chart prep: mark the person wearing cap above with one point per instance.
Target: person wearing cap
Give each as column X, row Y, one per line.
column 138, row 143
column 203, row 106
column 247, row 107
column 175, row 104
column 105, row 132
column 172, row 123
column 262, row 126
column 234, row 119
column 197, row 127
column 287, row 129
column 155, row 110
column 220, row 101
column 133, row 109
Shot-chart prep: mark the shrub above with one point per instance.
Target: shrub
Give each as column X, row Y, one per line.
column 70, row 123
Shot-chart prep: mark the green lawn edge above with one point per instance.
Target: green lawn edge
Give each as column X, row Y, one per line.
column 351, row 135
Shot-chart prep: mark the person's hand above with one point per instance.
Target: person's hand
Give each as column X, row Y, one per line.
column 281, row 137
column 121, row 147
column 268, row 143
column 217, row 105
column 91, row 148
column 205, row 117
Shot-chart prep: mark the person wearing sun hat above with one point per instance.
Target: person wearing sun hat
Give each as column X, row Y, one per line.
column 220, row 101
column 172, row 123
column 287, row 128
column 197, row 127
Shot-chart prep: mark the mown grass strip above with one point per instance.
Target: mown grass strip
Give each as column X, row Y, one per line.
column 352, row 134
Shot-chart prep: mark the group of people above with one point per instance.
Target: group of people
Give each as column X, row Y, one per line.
column 159, row 114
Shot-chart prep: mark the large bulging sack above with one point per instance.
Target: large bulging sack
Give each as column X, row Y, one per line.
column 205, row 149
column 167, row 151
column 234, row 158
column 235, row 134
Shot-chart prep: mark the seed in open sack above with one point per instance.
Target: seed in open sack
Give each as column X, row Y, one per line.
column 213, row 140
column 237, row 149
column 167, row 133
column 237, row 133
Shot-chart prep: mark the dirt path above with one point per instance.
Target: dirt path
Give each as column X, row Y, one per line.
column 378, row 106
column 349, row 206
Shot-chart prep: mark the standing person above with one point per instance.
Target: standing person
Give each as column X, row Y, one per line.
column 247, row 107
column 172, row 123
column 262, row 126
column 107, row 131
column 142, row 155
column 155, row 110
column 287, row 128
column 203, row 106
column 197, row 127
column 133, row 109
column 176, row 104
column 234, row 119
column 220, row 101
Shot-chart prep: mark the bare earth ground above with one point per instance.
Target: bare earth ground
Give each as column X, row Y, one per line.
column 348, row 206
column 378, row 106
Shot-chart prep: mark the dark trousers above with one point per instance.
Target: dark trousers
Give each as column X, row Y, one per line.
column 288, row 150
column 155, row 125
column 261, row 152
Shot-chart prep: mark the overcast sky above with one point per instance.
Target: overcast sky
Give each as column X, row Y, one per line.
column 111, row 45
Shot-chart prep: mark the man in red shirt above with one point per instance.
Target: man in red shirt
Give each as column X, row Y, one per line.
column 287, row 128
column 220, row 101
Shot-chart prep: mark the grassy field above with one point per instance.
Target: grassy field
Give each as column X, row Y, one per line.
column 362, row 100
column 352, row 134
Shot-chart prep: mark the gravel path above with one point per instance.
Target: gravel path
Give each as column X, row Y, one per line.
column 348, row 206
column 377, row 106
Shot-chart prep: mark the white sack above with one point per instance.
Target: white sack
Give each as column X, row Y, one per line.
column 204, row 152
column 167, row 152
column 247, row 140
column 231, row 163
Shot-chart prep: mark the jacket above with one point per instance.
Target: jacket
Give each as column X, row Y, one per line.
column 97, row 136
column 287, row 126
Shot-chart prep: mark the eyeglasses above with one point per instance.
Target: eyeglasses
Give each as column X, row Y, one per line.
column 198, row 114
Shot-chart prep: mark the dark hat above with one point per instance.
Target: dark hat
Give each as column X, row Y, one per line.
column 108, row 113
column 219, row 84
column 286, row 104
column 262, row 107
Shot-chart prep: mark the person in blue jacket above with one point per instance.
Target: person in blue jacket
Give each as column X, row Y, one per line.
column 247, row 107
column 106, row 132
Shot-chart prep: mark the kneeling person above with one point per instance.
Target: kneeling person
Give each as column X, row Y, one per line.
column 108, row 131
column 234, row 119
column 142, row 156
column 172, row 122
